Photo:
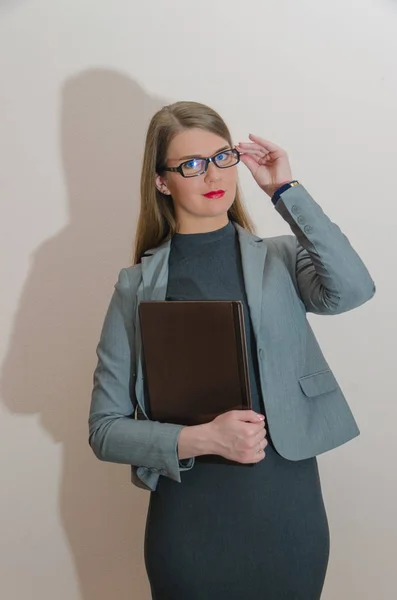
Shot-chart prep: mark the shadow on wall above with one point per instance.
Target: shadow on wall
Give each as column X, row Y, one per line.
column 49, row 367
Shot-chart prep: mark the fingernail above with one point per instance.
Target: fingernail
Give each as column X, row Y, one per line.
column 261, row 417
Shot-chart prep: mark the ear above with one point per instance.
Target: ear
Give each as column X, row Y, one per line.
column 161, row 185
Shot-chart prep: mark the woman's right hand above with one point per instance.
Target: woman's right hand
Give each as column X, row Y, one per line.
column 239, row 435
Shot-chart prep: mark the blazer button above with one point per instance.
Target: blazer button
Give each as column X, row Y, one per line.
column 308, row 229
column 294, row 209
column 301, row 220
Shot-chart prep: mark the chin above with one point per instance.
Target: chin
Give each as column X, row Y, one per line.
column 218, row 210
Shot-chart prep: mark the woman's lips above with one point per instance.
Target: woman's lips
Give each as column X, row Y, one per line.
column 215, row 194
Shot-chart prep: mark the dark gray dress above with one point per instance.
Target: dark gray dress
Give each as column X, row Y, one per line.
column 233, row 532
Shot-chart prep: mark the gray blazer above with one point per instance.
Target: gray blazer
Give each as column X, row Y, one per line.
column 315, row 270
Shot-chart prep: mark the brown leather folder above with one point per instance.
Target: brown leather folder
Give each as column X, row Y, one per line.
column 194, row 359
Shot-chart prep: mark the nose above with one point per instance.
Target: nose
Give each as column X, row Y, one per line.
column 213, row 173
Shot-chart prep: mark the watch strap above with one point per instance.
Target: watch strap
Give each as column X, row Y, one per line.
column 283, row 188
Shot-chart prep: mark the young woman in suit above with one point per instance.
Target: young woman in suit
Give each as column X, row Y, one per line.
column 224, row 531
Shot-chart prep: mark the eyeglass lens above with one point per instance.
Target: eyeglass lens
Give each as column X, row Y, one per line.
column 222, row 160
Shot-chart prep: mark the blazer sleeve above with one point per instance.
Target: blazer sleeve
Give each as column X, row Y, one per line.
column 114, row 434
column 330, row 276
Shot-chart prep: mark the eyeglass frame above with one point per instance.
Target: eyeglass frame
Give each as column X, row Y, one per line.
column 178, row 169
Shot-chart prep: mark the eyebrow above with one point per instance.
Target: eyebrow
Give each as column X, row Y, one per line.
column 201, row 156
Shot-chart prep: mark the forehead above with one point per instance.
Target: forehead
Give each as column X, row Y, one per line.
column 195, row 142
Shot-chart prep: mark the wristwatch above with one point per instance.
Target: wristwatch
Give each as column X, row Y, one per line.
column 283, row 188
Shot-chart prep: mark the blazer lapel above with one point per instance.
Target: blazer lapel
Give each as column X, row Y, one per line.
column 155, row 272
column 253, row 251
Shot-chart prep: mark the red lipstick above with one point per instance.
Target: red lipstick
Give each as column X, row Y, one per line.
column 215, row 194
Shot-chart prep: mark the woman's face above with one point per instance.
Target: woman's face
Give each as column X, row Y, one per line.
column 195, row 213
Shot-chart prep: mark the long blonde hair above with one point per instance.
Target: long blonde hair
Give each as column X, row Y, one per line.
column 156, row 222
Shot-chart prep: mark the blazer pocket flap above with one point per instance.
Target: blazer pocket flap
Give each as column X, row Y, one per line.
column 318, row 383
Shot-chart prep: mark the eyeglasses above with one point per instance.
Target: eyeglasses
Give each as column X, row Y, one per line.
column 198, row 166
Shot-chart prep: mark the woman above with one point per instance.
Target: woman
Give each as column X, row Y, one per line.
column 228, row 531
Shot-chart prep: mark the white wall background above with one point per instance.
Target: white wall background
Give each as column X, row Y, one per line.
column 79, row 82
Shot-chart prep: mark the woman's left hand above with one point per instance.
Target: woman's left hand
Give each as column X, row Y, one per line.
column 267, row 162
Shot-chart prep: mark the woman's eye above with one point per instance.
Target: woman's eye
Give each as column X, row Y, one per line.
column 191, row 164
column 222, row 156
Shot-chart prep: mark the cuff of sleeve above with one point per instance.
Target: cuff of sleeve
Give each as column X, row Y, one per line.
column 174, row 465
